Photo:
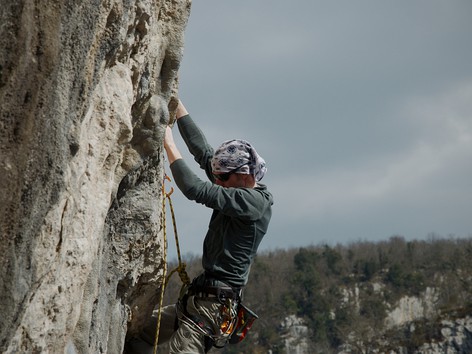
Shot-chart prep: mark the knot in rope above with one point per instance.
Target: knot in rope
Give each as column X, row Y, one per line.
column 183, row 273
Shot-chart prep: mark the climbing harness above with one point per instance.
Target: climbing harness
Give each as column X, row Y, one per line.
column 181, row 267
column 235, row 318
column 226, row 315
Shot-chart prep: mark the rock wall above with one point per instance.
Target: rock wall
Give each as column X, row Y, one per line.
column 85, row 92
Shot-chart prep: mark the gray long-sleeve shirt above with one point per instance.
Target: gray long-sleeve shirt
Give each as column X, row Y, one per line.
column 240, row 215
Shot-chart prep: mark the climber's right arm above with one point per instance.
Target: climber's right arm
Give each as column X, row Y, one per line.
column 172, row 151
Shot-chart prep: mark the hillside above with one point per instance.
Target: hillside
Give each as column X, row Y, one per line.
column 395, row 296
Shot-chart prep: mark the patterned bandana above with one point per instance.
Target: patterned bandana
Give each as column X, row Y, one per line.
column 238, row 154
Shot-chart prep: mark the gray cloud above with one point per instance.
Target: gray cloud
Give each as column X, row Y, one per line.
column 363, row 111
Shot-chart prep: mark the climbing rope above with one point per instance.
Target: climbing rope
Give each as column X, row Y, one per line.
column 181, row 267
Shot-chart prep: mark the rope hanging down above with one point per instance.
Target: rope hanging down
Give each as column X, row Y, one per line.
column 181, row 267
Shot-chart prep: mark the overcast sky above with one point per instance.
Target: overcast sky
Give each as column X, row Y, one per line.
column 361, row 109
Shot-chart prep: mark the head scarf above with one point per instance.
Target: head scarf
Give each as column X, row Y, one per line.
column 238, row 155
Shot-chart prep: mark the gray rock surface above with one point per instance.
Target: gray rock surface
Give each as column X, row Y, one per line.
column 456, row 338
column 85, row 91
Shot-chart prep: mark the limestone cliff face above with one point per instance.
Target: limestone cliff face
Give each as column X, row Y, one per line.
column 85, row 91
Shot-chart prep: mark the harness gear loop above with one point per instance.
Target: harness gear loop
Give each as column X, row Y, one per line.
column 181, row 267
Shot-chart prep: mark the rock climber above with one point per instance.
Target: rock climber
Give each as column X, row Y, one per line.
column 205, row 315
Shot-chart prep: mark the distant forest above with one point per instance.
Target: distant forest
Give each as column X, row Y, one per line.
column 346, row 291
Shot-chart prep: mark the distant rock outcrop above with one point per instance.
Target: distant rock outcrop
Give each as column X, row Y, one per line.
column 453, row 336
column 295, row 334
column 416, row 325
column 85, row 92
column 456, row 337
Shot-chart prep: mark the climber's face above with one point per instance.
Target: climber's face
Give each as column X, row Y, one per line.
column 234, row 180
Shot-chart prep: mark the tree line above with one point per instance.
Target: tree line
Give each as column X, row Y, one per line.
column 343, row 293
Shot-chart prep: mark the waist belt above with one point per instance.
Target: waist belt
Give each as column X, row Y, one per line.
column 222, row 293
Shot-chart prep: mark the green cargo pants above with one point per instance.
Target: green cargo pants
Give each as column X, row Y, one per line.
column 187, row 338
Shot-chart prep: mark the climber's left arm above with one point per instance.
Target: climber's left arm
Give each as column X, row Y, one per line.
column 172, row 151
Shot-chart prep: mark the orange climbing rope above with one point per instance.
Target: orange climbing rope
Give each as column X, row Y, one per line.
column 181, row 267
